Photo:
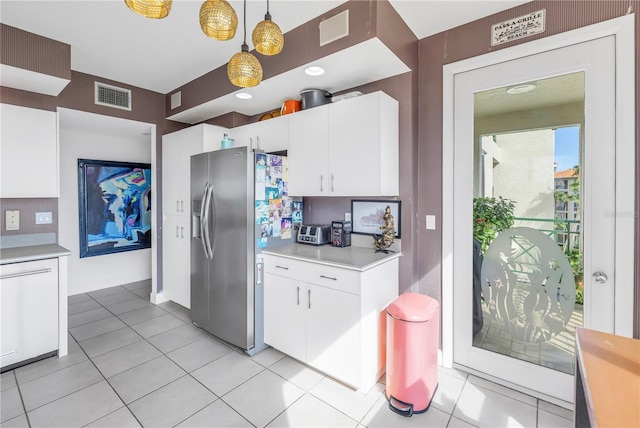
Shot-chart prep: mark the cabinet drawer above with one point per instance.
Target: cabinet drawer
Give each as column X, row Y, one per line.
column 332, row 277
column 283, row 266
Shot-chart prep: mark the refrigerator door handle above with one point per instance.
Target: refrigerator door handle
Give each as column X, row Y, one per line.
column 203, row 224
column 210, row 244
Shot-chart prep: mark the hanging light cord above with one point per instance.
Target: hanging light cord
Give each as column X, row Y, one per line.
column 244, row 42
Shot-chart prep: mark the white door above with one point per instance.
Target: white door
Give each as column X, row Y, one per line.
column 544, row 238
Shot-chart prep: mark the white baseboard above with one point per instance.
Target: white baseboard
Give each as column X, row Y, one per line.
column 157, row 298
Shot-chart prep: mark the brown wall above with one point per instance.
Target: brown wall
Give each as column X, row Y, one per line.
column 389, row 27
column 29, row 51
column 28, row 208
column 468, row 41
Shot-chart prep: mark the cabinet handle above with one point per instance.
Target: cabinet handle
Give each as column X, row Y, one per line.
column 177, row 231
column 298, row 296
column 258, row 143
column 177, row 206
column 309, row 291
column 27, row 273
column 282, row 267
column 181, row 232
column 321, row 181
column 328, row 277
column 181, row 206
column 331, row 183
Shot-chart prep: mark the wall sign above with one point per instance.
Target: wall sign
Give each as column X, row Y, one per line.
column 518, row 28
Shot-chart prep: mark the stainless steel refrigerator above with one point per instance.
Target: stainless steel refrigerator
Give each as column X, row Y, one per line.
column 239, row 205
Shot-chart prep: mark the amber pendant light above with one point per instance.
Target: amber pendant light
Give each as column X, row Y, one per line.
column 218, row 19
column 156, row 9
column 244, row 69
column 267, row 36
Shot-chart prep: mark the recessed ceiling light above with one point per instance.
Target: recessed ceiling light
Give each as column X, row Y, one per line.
column 244, row 95
column 314, row 70
column 521, row 89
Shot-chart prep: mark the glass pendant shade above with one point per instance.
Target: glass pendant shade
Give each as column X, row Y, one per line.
column 267, row 37
column 156, row 9
column 218, row 19
column 244, row 69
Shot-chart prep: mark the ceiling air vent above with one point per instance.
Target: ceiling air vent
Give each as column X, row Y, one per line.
column 112, row 96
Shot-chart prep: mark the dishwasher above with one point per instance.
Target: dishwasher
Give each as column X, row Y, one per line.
column 29, row 317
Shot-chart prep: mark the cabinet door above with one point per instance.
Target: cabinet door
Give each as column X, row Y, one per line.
column 354, row 147
column 241, row 136
column 333, row 333
column 284, row 315
column 176, row 266
column 29, row 313
column 29, row 153
column 308, row 152
column 177, row 149
column 272, row 135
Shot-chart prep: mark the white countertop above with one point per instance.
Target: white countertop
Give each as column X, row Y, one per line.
column 31, row 253
column 355, row 258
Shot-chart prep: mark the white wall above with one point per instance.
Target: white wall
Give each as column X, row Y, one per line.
column 525, row 173
column 93, row 273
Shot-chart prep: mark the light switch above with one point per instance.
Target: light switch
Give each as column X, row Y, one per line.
column 431, row 222
column 12, row 220
column 44, row 218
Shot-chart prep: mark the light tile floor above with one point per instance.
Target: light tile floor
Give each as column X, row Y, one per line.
column 132, row 363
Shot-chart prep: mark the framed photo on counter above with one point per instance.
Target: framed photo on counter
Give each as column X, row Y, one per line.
column 366, row 215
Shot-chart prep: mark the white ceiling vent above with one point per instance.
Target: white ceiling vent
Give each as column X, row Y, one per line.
column 112, row 96
column 334, row 28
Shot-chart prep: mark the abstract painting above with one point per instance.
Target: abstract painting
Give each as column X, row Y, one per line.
column 115, row 206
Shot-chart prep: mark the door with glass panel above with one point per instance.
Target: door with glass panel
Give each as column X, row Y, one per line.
column 534, row 155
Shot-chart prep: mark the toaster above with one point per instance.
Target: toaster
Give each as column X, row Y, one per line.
column 314, row 234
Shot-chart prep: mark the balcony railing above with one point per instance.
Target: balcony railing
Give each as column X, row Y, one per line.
column 563, row 232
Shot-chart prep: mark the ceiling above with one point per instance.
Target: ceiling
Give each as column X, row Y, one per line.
column 554, row 91
column 110, row 41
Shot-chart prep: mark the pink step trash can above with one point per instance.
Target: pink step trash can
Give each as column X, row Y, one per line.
column 413, row 321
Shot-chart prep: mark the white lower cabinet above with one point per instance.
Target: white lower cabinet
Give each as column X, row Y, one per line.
column 29, row 317
column 285, row 315
column 328, row 317
column 176, row 267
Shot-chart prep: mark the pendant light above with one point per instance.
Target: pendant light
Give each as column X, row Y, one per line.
column 244, row 69
column 267, row 36
column 218, row 19
column 156, row 9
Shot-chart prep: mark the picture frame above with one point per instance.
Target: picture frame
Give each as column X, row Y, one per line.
column 114, row 201
column 366, row 216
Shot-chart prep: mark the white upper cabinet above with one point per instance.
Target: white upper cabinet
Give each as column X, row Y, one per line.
column 270, row 135
column 308, row 152
column 28, row 153
column 363, row 146
column 177, row 149
column 348, row 148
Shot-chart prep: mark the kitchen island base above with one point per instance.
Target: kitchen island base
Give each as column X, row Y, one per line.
column 331, row 317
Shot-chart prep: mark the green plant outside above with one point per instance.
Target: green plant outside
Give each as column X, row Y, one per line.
column 490, row 217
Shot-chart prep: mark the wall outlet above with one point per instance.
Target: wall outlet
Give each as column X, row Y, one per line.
column 347, row 216
column 44, row 218
column 12, row 220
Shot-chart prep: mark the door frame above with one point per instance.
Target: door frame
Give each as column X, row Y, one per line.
column 623, row 29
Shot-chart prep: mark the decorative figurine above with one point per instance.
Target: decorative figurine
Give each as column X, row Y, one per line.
column 383, row 241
